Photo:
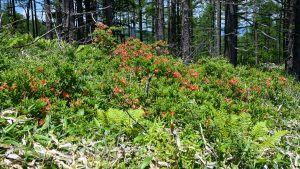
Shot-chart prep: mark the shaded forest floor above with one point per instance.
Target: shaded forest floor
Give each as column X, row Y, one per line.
column 134, row 106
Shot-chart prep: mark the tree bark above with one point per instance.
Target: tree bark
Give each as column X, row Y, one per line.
column 134, row 24
column 186, row 32
column 27, row 17
column 178, row 27
column 94, row 13
column 128, row 24
column 1, row 14
column 59, row 17
column 160, row 20
column 141, row 20
column 289, row 34
column 14, row 14
column 32, row 19
column 80, row 29
column 47, row 8
column 218, row 28
column 231, row 25
column 88, row 17
column 36, row 19
column 286, row 14
column 108, row 12
column 173, row 27
column 255, row 27
column 296, row 57
column 291, row 28
column 69, row 21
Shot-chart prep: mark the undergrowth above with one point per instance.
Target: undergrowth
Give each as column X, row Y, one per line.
column 132, row 105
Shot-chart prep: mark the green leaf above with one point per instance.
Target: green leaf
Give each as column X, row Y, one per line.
column 41, row 137
column 80, row 112
column 8, row 128
column 146, row 162
column 46, row 125
column 97, row 123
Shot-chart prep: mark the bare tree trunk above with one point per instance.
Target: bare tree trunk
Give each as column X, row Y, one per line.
column 289, row 37
column 286, row 14
column 1, row 15
column 169, row 18
column 108, row 12
column 186, row 32
column 134, row 24
column 296, row 57
column 59, row 17
column 128, row 23
column 291, row 28
column 279, row 35
column 80, row 31
column 88, row 17
column 231, row 25
column 153, row 25
column 32, row 19
column 178, row 27
column 218, row 28
column 211, row 30
column 191, row 22
column 94, row 14
column 36, row 19
column 255, row 27
column 69, row 21
column 173, row 27
column 14, row 14
column 141, row 20
column 160, row 20
column 27, row 17
column 47, row 8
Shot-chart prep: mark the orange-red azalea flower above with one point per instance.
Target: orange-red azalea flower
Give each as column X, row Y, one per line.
column 176, row 75
column 194, row 87
column 43, row 82
column 117, row 91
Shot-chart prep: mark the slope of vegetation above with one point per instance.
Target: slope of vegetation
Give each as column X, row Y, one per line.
column 133, row 106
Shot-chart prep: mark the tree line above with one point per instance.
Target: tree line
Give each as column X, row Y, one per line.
column 244, row 31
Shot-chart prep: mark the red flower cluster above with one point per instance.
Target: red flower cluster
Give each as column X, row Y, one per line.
column 219, row 82
column 194, row 87
column 206, row 81
column 13, row 86
column 283, row 80
column 194, row 73
column 256, row 88
column 228, row 100
column 66, row 95
column 102, row 26
column 233, row 82
column 177, row 75
column 164, row 114
column 117, row 90
column 43, row 82
column 32, row 86
column 4, row 86
column 123, row 81
column 40, row 69
column 45, row 109
column 133, row 103
column 48, row 104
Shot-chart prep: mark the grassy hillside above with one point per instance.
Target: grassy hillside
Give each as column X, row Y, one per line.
column 133, row 106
